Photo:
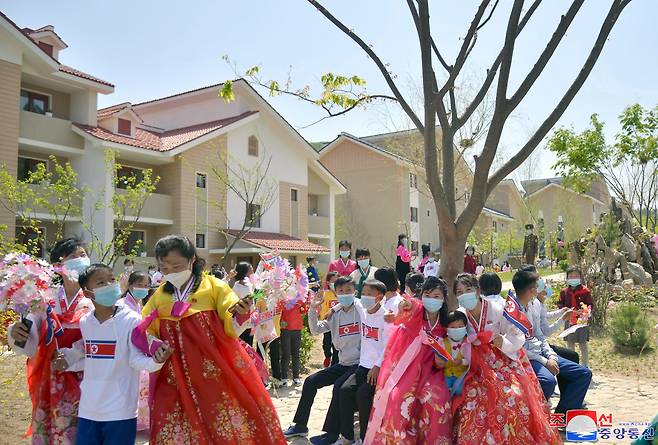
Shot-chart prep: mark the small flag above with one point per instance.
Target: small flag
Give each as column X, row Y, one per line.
column 514, row 315
column 53, row 325
column 438, row 348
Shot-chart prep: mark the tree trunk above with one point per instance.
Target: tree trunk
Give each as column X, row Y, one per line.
column 452, row 261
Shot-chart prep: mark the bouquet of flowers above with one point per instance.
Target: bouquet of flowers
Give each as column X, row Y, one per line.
column 25, row 285
column 579, row 319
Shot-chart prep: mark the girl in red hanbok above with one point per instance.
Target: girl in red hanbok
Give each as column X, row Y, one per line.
column 501, row 402
column 55, row 395
column 412, row 402
column 209, row 391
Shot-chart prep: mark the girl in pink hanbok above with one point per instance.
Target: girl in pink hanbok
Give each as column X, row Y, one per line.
column 501, row 402
column 412, row 402
column 138, row 284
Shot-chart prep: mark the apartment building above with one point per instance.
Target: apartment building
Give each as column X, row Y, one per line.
column 186, row 139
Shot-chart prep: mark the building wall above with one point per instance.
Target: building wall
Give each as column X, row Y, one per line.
column 374, row 210
column 10, row 79
column 285, row 212
column 60, row 102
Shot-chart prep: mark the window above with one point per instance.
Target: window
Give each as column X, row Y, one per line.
column 253, row 215
column 123, row 127
column 414, row 214
column 135, row 243
column 27, row 166
column 48, row 49
column 34, row 102
column 413, row 181
column 32, row 239
column 414, row 246
column 125, row 177
column 201, row 240
column 495, row 227
column 201, row 180
column 428, row 212
column 293, row 195
column 253, row 146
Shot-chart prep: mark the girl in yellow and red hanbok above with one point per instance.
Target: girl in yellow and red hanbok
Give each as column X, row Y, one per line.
column 209, row 392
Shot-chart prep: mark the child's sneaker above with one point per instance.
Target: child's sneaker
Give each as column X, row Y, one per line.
column 327, row 362
column 295, row 431
column 297, row 381
column 285, row 383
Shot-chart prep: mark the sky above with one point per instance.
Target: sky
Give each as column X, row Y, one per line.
column 152, row 49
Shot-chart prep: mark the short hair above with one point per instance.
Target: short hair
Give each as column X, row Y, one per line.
column 345, row 243
column 241, row 270
column 128, row 261
column 469, row 247
column 362, row 251
column 432, row 283
column 330, row 275
column 529, row 268
column 466, row 279
column 137, row 276
column 310, row 258
column 454, row 316
column 574, row 269
column 490, row 283
column 523, row 279
column 376, row 284
column 64, row 248
column 342, row 281
column 85, row 276
column 414, row 281
column 389, row 277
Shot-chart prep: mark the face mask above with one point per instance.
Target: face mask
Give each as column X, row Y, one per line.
column 468, row 300
column 107, row 295
column 573, row 282
column 541, row 285
column 346, row 300
column 528, row 232
column 344, row 253
column 432, row 304
column 430, row 260
column 456, row 334
column 77, row 265
column 139, row 292
column 178, row 278
column 130, row 268
column 363, row 264
column 368, row 302
column 404, row 241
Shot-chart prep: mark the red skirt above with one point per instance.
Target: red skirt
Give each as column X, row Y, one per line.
column 209, row 392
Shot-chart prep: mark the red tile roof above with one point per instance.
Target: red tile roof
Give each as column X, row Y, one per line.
column 165, row 141
column 279, row 241
column 78, row 73
column 109, row 111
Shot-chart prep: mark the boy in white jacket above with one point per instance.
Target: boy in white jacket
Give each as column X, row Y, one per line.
column 107, row 412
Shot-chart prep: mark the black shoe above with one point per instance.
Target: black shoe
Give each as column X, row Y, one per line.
column 295, row 431
column 324, row 439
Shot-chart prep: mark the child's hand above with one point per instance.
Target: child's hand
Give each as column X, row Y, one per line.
column 59, row 362
column 439, row 362
column 242, row 307
column 19, row 332
column 405, row 305
column 162, row 353
column 498, row 342
column 372, row 375
column 389, row 316
column 317, row 300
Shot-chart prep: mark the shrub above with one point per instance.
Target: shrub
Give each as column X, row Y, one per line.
column 630, row 327
column 307, row 344
column 564, row 265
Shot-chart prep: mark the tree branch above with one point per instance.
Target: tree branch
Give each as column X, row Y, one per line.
column 546, row 55
column 493, row 8
column 382, row 68
column 613, row 14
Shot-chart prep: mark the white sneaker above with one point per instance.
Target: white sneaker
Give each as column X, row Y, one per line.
column 297, row 382
column 285, row 383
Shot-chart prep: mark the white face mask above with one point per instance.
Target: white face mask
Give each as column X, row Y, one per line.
column 178, row 278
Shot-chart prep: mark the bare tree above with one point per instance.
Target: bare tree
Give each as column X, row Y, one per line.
column 440, row 105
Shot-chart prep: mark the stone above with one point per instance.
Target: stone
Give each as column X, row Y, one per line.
column 639, row 275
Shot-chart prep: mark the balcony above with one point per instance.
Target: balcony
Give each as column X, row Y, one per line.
column 318, row 225
column 44, row 212
column 158, row 209
column 51, row 130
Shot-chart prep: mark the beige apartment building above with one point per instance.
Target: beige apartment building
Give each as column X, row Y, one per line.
column 387, row 194
column 185, row 139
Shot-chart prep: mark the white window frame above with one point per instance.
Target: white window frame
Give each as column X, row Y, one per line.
column 32, row 90
column 196, row 191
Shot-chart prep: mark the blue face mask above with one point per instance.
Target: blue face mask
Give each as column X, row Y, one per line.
column 77, row 265
column 364, row 264
column 346, row 300
column 468, row 300
column 432, row 304
column 139, row 292
column 107, row 295
column 368, row 302
column 573, row 282
column 457, row 334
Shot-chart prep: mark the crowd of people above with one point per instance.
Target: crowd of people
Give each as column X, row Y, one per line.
column 173, row 351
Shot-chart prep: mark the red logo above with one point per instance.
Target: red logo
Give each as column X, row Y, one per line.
column 100, row 349
column 370, row 332
column 348, row 329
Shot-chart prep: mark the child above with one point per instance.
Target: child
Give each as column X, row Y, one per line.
column 128, row 267
column 344, row 323
column 107, row 413
column 573, row 296
column 454, row 369
column 364, row 271
column 358, row 391
column 292, row 323
column 431, row 267
column 491, row 286
column 312, row 272
column 329, row 300
column 138, row 289
column 414, row 283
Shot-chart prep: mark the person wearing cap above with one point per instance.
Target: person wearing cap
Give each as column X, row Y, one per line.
column 530, row 244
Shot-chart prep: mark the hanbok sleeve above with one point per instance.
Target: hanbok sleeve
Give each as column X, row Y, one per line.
column 226, row 299
column 137, row 359
column 149, row 307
